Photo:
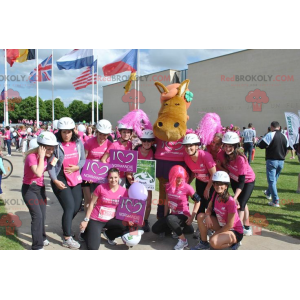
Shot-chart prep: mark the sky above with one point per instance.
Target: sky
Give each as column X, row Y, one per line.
column 151, row 61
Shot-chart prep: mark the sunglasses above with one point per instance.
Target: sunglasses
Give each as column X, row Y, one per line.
column 147, row 141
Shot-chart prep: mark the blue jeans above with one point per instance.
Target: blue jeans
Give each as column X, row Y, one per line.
column 248, row 147
column 0, row 184
column 8, row 142
column 274, row 168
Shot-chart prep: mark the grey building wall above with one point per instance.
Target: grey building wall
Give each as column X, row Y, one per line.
column 216, row 88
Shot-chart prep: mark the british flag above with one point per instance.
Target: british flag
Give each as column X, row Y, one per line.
column 44, row 69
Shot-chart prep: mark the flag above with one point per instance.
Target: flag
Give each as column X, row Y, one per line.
column 128, row 84
column 2, row 97
column 293, row 124
column 76, row 59
column 126, row 62
column 44, row 69
column 19, row 55
column 85, row 78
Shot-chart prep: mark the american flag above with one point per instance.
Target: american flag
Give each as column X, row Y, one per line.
column 45, row 71
column 85, row 78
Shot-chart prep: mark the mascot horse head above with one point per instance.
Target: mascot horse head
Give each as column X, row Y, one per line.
column 172, row 116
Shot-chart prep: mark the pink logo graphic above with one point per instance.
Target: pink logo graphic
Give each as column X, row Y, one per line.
column 10, row 222
column 257, row 98
column 133, row 97
column 257, row 221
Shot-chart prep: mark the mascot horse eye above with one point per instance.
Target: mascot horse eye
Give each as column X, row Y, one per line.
column 177, row 104
column 166, row 104
column 176, row 124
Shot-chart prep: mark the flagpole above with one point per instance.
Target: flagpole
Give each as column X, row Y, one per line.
column 97, row 93
column 37, row 91
column 52, row 80
column 138, row 69
column 135, row 93
column 5, row 119
column 93, row 90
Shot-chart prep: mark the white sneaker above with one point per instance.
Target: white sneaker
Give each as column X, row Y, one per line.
column 181, row 244
column 273, row 204
column 71, row 243
column 268, row 197
column 8, row 155
column 111, row 242
column 46, row 243
column 248, row 232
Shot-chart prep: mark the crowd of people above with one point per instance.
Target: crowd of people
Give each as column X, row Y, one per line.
column 62, row 150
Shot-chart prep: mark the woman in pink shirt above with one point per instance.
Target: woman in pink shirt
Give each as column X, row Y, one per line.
column 33, row 188
column 145, row 151
column 242, row 177
column 8, row 140
column 122, row 143
column 89, row 133
column 94, row 149
column 221, row 216
column 178, row 192
column 101, row 213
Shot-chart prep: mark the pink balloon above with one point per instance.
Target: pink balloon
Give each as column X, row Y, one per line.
column 138, row 191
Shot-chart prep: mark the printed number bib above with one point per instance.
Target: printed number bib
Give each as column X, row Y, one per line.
column 106, row 213
column 172, row 205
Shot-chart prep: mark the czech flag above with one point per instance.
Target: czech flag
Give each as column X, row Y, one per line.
column 76, row 59
column 126, row 62
column 19, row 55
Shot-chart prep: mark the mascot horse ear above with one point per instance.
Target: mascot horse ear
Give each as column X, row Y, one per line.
column 183, row 87
column 161, row 88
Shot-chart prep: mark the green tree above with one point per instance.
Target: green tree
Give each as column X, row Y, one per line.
column 76, row 109
column 87, row 114
column 60, row 110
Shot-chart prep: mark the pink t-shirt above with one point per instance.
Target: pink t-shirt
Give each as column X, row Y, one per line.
column 239, row 166
column 7, row 134
column 81, row 135
column 172, row 151
column 178, row 201
column 87, row 137
column 201, row 166
column 33, row 160
column 223, row 209
column 94, row 150
column 106, row 205
column 149, row 156
column 71, row 158
column 119, row 146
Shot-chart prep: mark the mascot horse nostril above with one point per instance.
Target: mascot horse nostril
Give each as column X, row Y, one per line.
column 160, row 124
column 176, row 124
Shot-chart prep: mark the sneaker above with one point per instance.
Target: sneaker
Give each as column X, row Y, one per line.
column 146, row 226
column 273, row 204
column 201, row 246
column 174, row 235
column 71, row 243
column 46, row 243
column 248, row 232
column 196, row 234
column 8, row 155
column 111, row 242
column 181, row 244
column 269, row 197
column 80, row 238
column 236, row 246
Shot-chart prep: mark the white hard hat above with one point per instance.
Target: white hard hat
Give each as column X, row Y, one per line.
column 122, row 126
column 104, row 126
column 230, row 138
column 65, row 123
column 147, row 134
column 11, row 129
column 29, row 130
column 33, row 144
column 190, row 139
column 55, row 124
column 47, row 138
column 221, row 176
column 81, row 128
column 132, row 239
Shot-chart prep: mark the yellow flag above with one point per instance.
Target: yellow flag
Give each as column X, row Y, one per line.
column 22, row 56
column 128, row 84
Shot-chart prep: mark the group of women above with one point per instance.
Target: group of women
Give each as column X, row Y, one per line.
column 223, row 217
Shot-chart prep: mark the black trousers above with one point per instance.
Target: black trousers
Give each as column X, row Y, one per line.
column 172, row 223
column 200, row 187
column 70, row 200
column 92, row 234
column 35, row 199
